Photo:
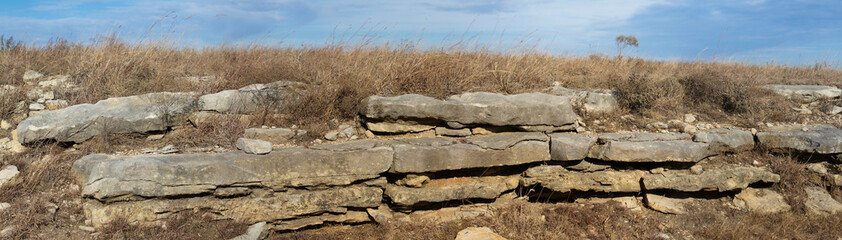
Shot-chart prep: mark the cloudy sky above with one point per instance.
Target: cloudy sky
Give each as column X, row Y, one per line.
column 794, row 32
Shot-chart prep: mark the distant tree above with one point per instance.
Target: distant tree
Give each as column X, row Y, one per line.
column 624, row 41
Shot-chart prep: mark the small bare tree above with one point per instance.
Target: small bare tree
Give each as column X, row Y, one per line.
column 624, row 41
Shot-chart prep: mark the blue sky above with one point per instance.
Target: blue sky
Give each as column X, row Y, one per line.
column 794, row 32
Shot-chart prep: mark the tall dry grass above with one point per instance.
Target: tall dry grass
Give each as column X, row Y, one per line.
column 343, row 74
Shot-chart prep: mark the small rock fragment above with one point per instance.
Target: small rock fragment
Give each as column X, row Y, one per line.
column 7, row 173
column 254, row 146
column 478, row 233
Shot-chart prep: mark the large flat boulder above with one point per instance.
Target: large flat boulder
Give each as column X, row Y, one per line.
column 558, row 179
column 118, row 178
column 267, row 206
column 481, row 108
column 253, row 98
column 449, row 189
column 438, row 154
column 142, row 113
column 820, row 139
column 805, row 93
column 820, row 202
column 710, row 180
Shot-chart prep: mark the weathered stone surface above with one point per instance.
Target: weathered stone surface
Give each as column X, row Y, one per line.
column 11, row 146
column 821, row 139
column 450, row 213
column 143, row 113
column 591, row 101
column 31, row 75
column 429, row 155
column 267, row 206
column 629, row 202
column 654, row 151
column 8, row 173
column 349, row 146
column 761, row 201
column 711, row 180
column 726, row 140
column 347, row 217
column 272, row 135
column 412, row 180
column 253, row 98
column 642, row 137
column 112, row 178
column 570, row 146
column 559, row 179
column 665, row 204
column 209, row 118
column 443, row 131
column 254, row 146
column 820, row 202
column 458, row 188
column 478, row 233
column 805, row 93
column 398, row 126
column 529, row 109
column 381, row 214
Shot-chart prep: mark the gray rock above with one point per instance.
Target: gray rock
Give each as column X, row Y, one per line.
column 56, row 81
column 591, row 101
column 110, row 178
column 835, row 110
column 805, row 93
column 506, row 140
column 4, row 206
column 559, row 179
column 253, row 98
column 281, row 208
column 8, row 173
column 332, row 135
column 726, row 140
column 143, row 113
column 475, row 108
column 443, row 131
column 254, row 146
column 761, row 201
column 642, row 137
column 711, row 180
column 430, row 155
column 820, row 139
column 459, row 188
column 272, row 135
column 36, row 107
column 254, row 232
column 570, row 146
column 657, row 126
column 655, row 151
column 820, row 202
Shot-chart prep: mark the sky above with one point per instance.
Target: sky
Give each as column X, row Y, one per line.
column 792, row 32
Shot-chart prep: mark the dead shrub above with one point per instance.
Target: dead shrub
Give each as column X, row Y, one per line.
column 183, row 225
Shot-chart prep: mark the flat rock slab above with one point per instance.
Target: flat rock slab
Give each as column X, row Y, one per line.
column 449, row 189
column 710, row 180
column 651, row 151
column 590, row 101
column 820, row 139
column 253, row 98
column 761, row 200
column 723, row 140
column 114, row 178
column 265, row 207
column 438, row 154
column 642, row 137
column 478, row 233
column 666, row 204
column 347, row 217
column 481, row 108
column 559, row 179
column 805, row 93
column 570, row 146
column 143, row 113
column 820, row 202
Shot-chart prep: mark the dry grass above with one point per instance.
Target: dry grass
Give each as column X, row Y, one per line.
column 342, row 75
